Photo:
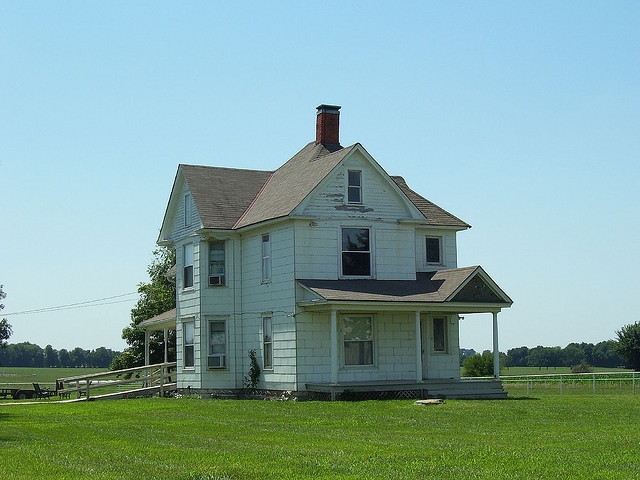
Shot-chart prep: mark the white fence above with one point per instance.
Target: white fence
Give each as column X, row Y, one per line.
column 603, row 382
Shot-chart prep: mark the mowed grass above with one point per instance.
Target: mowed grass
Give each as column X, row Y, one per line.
column 547, row 437
column 45, row 376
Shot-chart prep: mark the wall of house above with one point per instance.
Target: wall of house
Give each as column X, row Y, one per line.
column 449, row 249
column 217, row 303
column 436, row 364
column 379, row 198
column 394, row 349
column 275, row 298
column 179, row 228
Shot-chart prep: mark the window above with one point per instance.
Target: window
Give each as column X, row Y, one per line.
column 356, row 252
column 358, row 340
column 354, row 186
column 216, row 263
column 439, row 335
column 217, row 344
column 188, row 343
column 266, row 258
column 187, row 210
column 187, row 274
column 434, row 249
column 267, row 343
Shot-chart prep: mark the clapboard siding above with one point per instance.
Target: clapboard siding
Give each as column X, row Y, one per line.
column 379, row 200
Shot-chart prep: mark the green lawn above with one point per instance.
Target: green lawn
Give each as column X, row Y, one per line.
column 45, row 376
column 583, row 436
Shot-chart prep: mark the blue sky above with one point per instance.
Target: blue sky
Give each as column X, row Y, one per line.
column 521, row 118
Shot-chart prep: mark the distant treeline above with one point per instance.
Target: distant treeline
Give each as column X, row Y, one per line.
column 599, row 355
column 30, row 355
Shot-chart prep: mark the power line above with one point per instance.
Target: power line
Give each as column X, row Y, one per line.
column 71, row 306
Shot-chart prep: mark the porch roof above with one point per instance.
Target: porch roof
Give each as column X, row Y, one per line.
column 458, row 286
column 160, row 322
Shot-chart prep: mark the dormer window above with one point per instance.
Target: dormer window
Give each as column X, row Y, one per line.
column 354, row 186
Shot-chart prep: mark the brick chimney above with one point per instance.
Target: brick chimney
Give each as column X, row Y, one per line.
column 328, row 125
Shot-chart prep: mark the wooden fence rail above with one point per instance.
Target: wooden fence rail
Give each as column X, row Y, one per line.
column 159, row 376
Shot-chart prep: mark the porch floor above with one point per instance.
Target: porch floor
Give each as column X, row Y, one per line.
column 398, row 389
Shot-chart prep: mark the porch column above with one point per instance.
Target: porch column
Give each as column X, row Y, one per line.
column 418, row 350
column 166, row 344
column 146, row 347
column 334, row 347
column 496, row 351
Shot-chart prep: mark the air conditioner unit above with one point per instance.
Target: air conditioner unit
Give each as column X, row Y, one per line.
column 215, row 280
column 216, row 361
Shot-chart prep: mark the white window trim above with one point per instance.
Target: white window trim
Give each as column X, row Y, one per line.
column 264, row 367
column 224, row 275
column 372, row 262
column 187, row 209
column 186, row 321
column 211, row 320
column 185, row 265
column 440, row 247
column 374, row 360
column 445, row 324
column 267, row 273
column 360, row 201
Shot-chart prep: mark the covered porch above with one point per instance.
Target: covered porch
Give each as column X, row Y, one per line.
column 445, row 294
column 165, row 322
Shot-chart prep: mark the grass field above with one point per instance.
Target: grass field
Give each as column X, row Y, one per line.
column 45, row 376
column 184, row 438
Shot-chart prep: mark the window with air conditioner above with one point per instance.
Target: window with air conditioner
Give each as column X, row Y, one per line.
column 216, row 264
column 217, row 357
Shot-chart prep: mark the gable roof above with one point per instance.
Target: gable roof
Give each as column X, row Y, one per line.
column 469, row 285
column 222, row 195
column 292, row 182
column 230, row 198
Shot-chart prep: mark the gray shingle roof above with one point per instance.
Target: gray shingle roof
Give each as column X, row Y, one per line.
column 436, row 216
column 292, row 182
column 228, row 198
column 429, row 287
column 222, row 195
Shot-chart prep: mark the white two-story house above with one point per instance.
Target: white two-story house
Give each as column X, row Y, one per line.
column 339, row 276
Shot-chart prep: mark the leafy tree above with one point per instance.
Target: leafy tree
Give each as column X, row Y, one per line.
column 479, row 365
column 65, row 359
column 156, row 297
column 604, row 354
column 629, row 345
column 518, row 356
column 51, row 357
column 5, row 328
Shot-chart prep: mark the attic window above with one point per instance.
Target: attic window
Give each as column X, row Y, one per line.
column 354, row 186
column 187, row 210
